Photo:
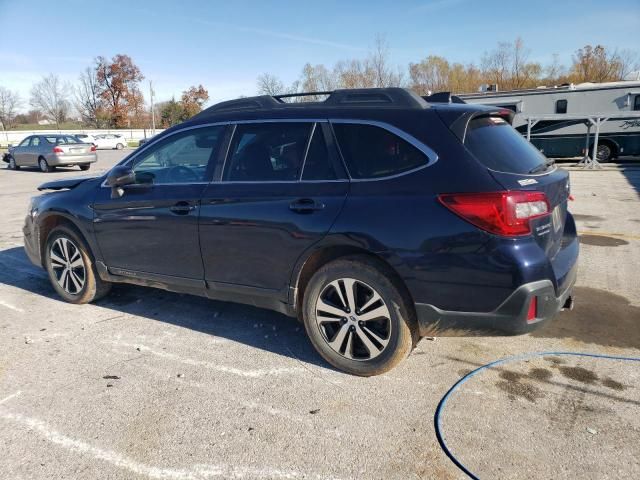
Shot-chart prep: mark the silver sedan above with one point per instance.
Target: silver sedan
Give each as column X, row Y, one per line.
column 49, row 151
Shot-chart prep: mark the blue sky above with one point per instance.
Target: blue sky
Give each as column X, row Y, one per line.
column 225, row 45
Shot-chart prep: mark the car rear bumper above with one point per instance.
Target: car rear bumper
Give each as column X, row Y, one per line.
column 61, row 160
column 509, row 318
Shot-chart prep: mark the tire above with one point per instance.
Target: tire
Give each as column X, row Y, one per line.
column 12, row 164
column 85, row 167
column 44, row 166
column 119, row 146
column 83, row 284
column 605, row 153
column 390, row 335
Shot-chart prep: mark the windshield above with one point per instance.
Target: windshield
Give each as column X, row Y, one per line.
column 500, row 147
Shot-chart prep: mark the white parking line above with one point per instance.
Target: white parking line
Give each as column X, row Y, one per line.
column 251, row 373
column 6, row 399
column 11, row 307
column 202, row 471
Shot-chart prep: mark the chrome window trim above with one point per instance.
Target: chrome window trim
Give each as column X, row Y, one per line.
column 431, row 155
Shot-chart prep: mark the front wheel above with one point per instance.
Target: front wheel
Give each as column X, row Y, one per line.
column 71, row 267
column 357, row 318
column 12, row 164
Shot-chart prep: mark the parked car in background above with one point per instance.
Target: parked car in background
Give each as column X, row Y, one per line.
column 110, row 140
column 374, row 217
column 50, row 151
column 86, row 138
column 142, row 141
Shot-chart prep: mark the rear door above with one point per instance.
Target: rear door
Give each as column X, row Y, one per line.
column 518, row 165
column 279, row 193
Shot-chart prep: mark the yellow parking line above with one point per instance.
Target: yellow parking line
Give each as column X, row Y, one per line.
column 609, row 234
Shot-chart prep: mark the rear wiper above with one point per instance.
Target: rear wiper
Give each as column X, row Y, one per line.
column 542, row 167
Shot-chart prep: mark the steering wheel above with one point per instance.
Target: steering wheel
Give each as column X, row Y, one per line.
column 182, row 174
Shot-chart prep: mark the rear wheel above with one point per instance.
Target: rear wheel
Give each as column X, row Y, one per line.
column 605, row 153
column 119, row 146
column 12, row 164
column 71, row 267
column 85, row 167
column 44, row 166
column 356, row 318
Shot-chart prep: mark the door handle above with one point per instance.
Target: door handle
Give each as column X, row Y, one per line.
column 182, row 208
column 306, row 205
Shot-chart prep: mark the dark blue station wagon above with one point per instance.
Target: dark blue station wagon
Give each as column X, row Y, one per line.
column 375, row 217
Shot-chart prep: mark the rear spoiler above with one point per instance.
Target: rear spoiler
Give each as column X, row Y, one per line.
column 458, row 120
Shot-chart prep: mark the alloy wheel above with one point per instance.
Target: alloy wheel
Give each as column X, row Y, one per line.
column 354, row 319
column 67, row 265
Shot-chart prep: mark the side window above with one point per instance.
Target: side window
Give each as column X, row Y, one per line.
column 561, row 106
column 373, row 152
column 181, row 158
column 636, row 103
column 267, row 152
column 35, row 141
column 25, row 142
column 317, row 165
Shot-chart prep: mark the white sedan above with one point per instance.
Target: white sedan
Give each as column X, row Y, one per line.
column 110, row 140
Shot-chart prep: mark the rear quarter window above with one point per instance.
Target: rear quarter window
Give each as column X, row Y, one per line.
column 498, row 146
column 374, row 152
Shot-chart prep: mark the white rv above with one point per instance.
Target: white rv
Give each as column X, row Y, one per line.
column 566, row 138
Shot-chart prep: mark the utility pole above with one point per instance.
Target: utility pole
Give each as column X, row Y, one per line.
column 153, row 112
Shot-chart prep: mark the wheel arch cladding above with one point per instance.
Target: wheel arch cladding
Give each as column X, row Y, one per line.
column 46, row 226
column 323, row 256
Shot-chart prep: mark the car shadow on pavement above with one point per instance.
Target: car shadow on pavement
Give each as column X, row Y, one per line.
column 258, row 328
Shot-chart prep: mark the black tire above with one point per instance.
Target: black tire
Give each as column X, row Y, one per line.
column 85, row 167
column 400, row 337
column 605, row 152
column 12, row 164
column 44, row 165
column 119, row 146
column 93, row 287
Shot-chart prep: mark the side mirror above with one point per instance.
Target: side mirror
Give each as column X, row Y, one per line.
column 120, row 176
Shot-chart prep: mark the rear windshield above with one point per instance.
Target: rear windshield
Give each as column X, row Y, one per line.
column 500, row 147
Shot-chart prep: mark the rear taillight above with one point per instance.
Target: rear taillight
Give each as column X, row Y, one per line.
column 93, row 148
column 503, row 213
column 58, row 150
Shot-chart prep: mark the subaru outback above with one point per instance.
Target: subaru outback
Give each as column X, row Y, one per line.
column 374, row 216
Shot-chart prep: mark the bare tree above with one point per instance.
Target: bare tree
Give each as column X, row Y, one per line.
column 88, row 99
column 430, row 75
column 9, row 102
column 595, row 64
column 628, row 62
column 51, row 96
column 270, row 85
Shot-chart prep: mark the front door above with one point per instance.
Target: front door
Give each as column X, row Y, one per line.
column 281, row 190
column 153, row 227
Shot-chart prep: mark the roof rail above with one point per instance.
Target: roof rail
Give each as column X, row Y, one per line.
column 392, row 97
